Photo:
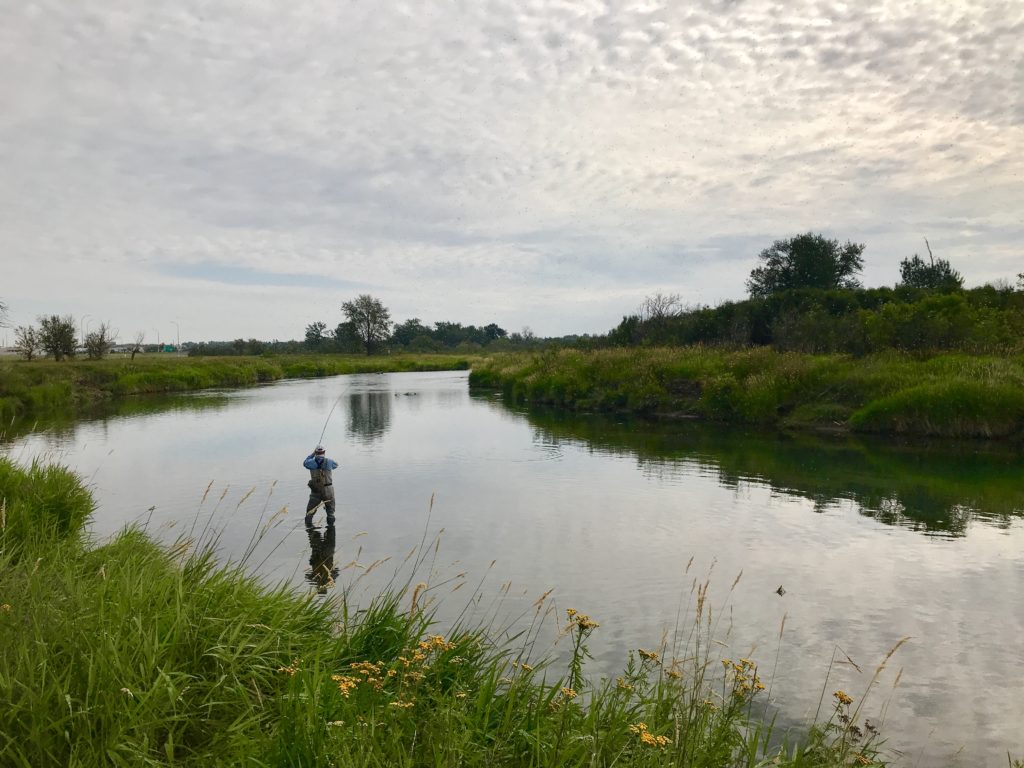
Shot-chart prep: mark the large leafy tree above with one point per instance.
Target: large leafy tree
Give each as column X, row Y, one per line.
column 57, row 335
column 315, row 334
column 933, row 275
column 806, row 261
column 370, row 319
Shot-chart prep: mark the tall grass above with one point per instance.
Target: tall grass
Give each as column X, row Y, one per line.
column 950, row 395
column 131, row 653
column 44, row 386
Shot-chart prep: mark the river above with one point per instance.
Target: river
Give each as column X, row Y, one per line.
column 856, row 543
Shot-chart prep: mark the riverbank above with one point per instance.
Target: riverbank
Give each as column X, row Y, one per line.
column 40, row 387
column 950, row 395
column 131, row 653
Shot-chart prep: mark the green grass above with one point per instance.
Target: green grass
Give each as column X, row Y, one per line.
column 43, row 386
column 131, row 653
column 950, row 395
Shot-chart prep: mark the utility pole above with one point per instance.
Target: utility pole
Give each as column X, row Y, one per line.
column 177, row 347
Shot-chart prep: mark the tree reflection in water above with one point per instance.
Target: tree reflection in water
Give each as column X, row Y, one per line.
column 369, row 415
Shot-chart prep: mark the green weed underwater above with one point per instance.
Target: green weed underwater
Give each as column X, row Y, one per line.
column 134, row 653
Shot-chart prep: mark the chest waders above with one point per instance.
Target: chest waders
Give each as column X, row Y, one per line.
column 321, row 489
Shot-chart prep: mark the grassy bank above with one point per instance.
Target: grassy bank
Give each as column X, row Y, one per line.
column 134, row 654
column 39, row 387
column 948, row 395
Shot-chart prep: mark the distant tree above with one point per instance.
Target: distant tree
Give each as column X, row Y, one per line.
column 933, row 275
column 27, row 341
column 937, row 275
column 404, row 333
column 99, row 342
column 315, row 334
column 136, row 345
column 370, row 319
column 239, row 346
column 660, row 306
column 806, row 261
column 57, row 335
column 1020, row 281
column 346, row 339
column 493, row 331
column 3, row 314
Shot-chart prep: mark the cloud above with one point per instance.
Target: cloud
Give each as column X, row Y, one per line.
column 505, row 158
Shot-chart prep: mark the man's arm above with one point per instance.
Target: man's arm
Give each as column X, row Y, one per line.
column 334, row 464
column 310, row 462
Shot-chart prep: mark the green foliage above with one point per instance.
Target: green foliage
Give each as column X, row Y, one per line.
column 935, row 275
column 973, row 396
column 370, row 319
column 315, row 334
column 57, row 336
column 44, row 387
column 806, row 261
column 981, row 320
column 39, row 503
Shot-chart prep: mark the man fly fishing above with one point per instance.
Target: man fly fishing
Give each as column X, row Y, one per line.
column 321, row 483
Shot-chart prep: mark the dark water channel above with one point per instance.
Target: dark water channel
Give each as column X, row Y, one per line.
column 871, row 541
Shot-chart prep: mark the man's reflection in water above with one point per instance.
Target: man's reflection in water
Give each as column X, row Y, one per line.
column 322, row 570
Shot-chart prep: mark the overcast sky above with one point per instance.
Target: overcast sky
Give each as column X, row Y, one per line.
column 243, row 167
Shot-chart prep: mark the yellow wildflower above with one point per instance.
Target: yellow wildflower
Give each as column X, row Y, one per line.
column 647, row 655
column 402, row 704
column 843, row 698
column 622, row 685
column 569, row 693
column 6, row 607
column 571, row 611
column 345, row 683
column 526, row 667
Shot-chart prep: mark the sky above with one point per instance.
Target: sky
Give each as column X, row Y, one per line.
column 242, row 167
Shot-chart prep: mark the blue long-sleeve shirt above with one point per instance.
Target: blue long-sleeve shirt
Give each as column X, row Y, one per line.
column 312, row 463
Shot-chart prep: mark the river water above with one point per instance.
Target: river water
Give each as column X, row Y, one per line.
column 870, row 542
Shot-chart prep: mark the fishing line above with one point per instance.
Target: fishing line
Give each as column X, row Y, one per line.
column 331, row 413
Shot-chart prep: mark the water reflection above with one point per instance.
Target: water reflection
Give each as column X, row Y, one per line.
column 322, row 570
column 369, row 415
column 939, row 488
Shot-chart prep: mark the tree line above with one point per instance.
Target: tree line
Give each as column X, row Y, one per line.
column 805, row 295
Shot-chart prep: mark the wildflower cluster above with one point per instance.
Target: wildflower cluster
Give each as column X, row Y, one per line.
column 398, row 679
column 742, row 677
column 648, row 738
column 580, row 621
column 292, row 668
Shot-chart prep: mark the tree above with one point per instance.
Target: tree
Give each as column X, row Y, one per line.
column 137, row 343
column 370, row 320
column 806, row 261
column 27, row 341
column 938, row 275
column 315, row 334
column 494, row 331
column 3, row 313
column 660, row 306
column 346, row 339
column 57, row 335
column 934, row 275
column 404, row 333
column 99, row 342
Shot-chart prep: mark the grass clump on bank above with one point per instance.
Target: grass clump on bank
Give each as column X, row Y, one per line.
column 131, row 653
column 45, row 386
column 950, row 395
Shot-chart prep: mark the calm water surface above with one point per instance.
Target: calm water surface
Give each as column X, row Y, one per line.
column 870, row 541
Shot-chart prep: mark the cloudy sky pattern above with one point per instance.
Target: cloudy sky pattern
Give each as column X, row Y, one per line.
column 243, row 167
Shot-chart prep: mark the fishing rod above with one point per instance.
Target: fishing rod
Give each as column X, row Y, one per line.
column 331, row 413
